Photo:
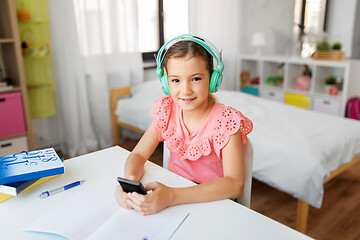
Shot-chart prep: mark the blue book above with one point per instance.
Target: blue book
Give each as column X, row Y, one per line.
column 15, row 188
column 30, row 165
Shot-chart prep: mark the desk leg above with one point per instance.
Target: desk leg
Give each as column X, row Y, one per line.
column 302, row 216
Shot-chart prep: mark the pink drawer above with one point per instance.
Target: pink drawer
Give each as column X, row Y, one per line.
column 11, row 114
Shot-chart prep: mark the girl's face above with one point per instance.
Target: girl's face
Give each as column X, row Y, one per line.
column 189, row 81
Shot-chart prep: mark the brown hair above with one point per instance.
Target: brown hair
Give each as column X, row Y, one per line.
column 191, row 49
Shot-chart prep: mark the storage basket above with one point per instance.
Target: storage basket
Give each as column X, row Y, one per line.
column 329, row 55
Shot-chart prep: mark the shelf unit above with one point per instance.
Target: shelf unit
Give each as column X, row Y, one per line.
column 12, row 63
column 315, row 98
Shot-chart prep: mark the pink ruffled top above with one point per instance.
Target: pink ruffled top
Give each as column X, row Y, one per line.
column 197, row 156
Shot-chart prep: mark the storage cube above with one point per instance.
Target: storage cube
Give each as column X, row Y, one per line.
column 12, row 115
column 298, row 100
column 13, row 145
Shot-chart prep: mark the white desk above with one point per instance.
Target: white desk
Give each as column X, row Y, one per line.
column 215, row 220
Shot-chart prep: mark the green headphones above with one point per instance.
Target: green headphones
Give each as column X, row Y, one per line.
column 216, row 76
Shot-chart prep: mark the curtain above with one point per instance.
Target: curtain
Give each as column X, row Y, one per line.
column 95, row 47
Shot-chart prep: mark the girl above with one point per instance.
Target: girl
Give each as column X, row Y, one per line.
column 204, row 137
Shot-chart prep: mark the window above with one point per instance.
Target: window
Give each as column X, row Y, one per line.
column 159, row 21
column 310, row 15
column 310, row 24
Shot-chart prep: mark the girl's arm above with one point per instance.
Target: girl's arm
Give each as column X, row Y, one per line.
column 134, row 166
column 229, row 186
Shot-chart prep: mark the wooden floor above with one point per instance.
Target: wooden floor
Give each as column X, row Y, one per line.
column 338, row 218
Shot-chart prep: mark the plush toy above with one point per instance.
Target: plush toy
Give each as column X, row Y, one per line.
column 23, row 14
column 244, row 78
column 302, row 83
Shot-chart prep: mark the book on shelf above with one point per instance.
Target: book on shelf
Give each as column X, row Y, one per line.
column 4, row 88
column 30, row 165
column 15, row 188
column 4, row 197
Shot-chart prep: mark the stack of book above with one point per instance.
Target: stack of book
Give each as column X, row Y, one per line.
column 22, row 171
column 5, row 86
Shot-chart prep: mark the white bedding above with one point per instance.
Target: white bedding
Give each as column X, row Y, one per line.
column 294, row 148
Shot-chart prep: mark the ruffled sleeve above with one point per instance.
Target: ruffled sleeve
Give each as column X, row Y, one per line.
column 160, row 112
column 228, row 123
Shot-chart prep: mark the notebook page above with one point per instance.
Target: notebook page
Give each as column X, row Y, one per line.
column 97, row 216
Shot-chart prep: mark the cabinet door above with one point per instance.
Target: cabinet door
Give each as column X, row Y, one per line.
column 329, row 106
column 12, row 120
column 13, row 145
column 272, row 94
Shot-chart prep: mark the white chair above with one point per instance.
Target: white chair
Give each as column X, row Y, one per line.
column 248, row 167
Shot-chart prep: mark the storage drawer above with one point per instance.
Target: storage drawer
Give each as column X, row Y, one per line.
column 12, row 114
column 298, row 100
column 250, row 90
column 272, row 94
column 329, row 106
column 13, row 145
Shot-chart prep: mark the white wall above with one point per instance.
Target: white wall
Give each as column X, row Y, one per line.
column 219, row 22
column 274, row 18
column 356, row 42
column 341, row 23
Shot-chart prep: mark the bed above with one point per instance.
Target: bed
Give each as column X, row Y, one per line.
column 295, row 150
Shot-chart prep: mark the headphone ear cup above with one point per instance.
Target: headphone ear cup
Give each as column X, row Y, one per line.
column 165, row 84
column 214, row 81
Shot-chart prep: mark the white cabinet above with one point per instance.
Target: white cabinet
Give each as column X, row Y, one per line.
column 280, row 80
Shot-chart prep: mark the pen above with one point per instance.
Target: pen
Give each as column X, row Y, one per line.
column 60, row 189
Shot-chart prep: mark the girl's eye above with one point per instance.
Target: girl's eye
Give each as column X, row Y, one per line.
column 196, row 79
column 174, row 80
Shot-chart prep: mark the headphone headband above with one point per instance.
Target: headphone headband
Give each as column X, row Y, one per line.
column 189, row 37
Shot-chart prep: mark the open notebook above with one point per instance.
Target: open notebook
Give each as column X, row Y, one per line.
column 98, row 216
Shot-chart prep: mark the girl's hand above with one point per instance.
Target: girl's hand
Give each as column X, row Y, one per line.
column 122, row 197
column 160, row 198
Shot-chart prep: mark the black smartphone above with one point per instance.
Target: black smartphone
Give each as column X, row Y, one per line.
column 131, row 185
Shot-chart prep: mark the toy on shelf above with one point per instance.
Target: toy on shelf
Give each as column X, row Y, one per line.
column 303, row 82
column 277, row 78
column 248, row 85
column 254, row 81
column 275, row 81
column 244, row 78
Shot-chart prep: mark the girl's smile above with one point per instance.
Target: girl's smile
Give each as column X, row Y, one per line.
column 187, row 100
